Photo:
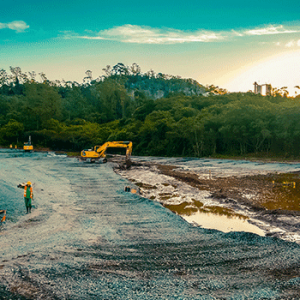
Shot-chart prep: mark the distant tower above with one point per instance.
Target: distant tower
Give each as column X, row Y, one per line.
column 257, row 88
column 263, row 89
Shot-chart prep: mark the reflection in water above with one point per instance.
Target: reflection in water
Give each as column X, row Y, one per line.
column 188, row 208
column 222, row 223
column 214, row 217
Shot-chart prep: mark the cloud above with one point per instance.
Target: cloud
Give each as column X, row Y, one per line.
column 18, row 26
column 236, row 33
column 146, row 35
column 91, row 37
column 270, row 30
column 292, row 44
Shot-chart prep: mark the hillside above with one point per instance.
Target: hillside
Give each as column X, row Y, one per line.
column 162, row 115
column 152, row 85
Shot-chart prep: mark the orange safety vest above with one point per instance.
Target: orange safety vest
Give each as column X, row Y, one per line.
column 25, row 191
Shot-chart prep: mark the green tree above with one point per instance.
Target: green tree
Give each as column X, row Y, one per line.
column 41, row 103
column 10, row 132
column 153, row 139
column 114, row 102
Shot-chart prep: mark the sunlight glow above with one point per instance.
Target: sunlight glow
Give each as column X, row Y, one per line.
column 282, row 70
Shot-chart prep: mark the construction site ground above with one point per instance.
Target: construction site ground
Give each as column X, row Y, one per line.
column 88, row 238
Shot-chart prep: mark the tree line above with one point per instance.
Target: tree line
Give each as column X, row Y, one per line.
column 162, row 115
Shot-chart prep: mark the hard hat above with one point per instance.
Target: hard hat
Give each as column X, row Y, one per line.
column 28, row 183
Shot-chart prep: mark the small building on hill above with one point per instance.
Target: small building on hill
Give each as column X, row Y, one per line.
column 263, row 89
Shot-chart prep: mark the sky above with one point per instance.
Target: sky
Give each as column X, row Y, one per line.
column 229, row 44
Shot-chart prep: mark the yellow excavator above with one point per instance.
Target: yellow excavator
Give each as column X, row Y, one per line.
column 100, row 152
column 27, row 146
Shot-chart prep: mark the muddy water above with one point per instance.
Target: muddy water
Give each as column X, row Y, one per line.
column 88, row 239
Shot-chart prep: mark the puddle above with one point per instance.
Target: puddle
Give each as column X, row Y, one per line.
column 214, row 217
column 222, row 223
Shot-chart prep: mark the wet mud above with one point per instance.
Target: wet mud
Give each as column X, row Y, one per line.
column 270, row 201
column 271, row 191
column 273, row 196
column 87, row 238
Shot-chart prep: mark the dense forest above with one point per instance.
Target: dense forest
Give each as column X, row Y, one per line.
column 162, row 115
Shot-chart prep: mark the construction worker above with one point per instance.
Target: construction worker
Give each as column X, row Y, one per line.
column 28, row 194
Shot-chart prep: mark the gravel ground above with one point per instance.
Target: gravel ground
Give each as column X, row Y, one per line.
column 87, row 238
